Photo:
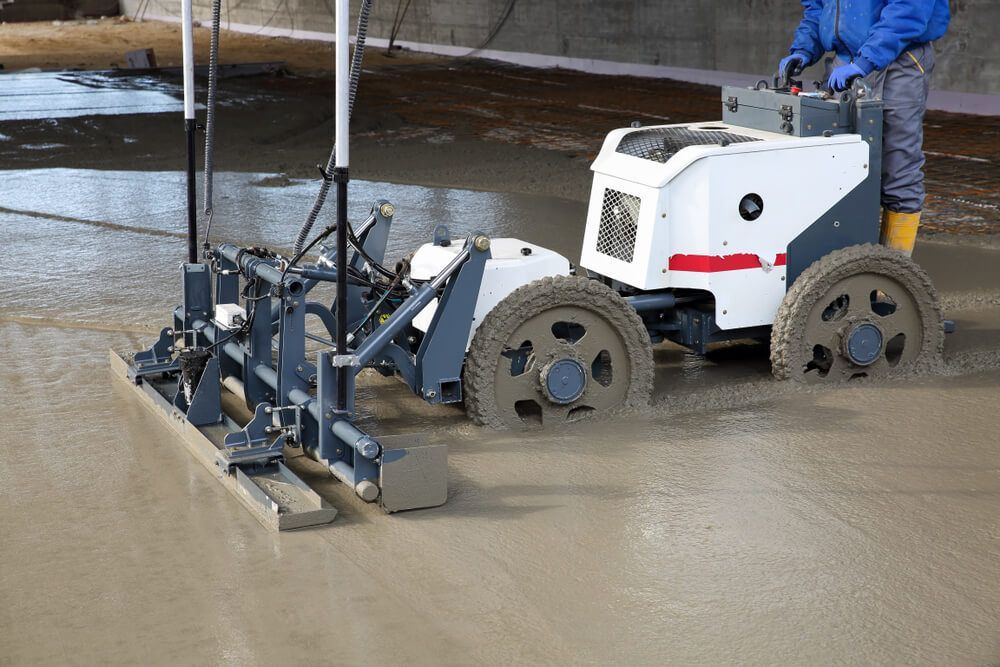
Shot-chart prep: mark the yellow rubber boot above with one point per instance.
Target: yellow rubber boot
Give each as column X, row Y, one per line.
column 899, row 230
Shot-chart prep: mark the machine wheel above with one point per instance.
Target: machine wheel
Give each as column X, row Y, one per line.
column 557, row 350
column 862, row 311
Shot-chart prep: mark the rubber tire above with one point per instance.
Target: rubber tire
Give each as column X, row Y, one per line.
column 813, row 284
column 532, row 299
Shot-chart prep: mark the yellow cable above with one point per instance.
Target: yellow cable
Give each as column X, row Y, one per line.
column 916, row 62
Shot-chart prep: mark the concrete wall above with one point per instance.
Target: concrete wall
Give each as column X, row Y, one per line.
column 740, row 36
column 47, row 10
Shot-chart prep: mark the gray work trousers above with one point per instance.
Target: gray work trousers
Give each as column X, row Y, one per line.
column 903, row 87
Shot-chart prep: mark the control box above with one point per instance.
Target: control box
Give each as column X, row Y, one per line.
column 230, row 315
column 795, row 114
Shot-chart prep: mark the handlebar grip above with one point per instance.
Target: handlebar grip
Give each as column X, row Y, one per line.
column 793, row 68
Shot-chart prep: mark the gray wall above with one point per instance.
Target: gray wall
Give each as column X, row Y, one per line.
column 729, row 35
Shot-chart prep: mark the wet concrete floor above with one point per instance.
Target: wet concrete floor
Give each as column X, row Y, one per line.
column 740, row 520
column 50, row 95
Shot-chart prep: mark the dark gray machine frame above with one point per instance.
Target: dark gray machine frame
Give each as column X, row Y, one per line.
column 295, row 400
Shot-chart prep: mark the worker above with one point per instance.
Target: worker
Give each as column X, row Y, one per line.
column 889, row 43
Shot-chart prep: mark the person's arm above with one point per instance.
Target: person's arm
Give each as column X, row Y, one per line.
column 900, row 22
column 807, row 41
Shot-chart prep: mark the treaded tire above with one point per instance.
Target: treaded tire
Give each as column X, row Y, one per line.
column 534, row 299
column 789, row 346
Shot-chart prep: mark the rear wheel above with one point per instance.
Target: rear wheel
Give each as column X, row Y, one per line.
column 557, row 350
column 862, row 311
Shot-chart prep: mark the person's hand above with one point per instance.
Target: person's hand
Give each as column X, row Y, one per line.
column 797, row 61
column 841, row 77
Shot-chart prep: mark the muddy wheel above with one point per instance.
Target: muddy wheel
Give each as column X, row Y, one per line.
column 862, row 311
column 557, row 350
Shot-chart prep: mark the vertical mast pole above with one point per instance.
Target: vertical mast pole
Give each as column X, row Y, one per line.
column 340, row 177
column 187, row 43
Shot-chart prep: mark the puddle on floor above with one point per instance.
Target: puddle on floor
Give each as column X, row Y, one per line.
column 38, row 95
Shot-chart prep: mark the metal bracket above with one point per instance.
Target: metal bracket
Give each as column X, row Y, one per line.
column 293, row 432
column 441, row 236
column 733, row 104
column 206, row 402
column 345, row 360
column 250, row 446
column 764, row 264
column 786, row 114
column 155, row 359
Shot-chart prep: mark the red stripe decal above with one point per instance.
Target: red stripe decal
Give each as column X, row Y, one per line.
column 713, row 263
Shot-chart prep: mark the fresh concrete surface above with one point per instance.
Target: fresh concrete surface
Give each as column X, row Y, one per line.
column 738, row 520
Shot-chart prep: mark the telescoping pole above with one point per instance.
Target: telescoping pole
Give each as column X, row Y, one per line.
column 187, row 43
column 340, row 177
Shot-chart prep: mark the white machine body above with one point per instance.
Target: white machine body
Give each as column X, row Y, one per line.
column 677, row 223
column 513, row 263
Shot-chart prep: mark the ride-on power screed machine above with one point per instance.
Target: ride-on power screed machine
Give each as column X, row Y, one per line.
column 763, row 225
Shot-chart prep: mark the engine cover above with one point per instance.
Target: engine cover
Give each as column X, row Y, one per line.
column 513, row 263
column 713, row 206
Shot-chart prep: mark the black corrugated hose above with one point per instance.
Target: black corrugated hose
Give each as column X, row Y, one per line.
column 213, row 78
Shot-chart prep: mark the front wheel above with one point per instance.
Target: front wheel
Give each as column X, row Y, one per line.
column 557, row 350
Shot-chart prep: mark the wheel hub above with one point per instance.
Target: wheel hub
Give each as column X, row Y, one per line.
column 564, row 381
column 863, row 344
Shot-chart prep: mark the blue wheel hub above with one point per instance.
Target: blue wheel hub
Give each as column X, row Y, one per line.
column 863, row 344
column 564, row 381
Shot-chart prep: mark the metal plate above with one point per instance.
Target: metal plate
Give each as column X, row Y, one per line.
column 413, row 474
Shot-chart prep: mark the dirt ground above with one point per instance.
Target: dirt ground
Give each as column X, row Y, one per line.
column 738, row 520
column 436, row 121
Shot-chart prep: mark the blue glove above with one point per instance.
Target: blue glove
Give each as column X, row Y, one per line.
column 841, row 77
column 800, row 62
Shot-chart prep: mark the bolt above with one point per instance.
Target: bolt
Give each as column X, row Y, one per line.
column 387, row 210
column 327, row 415
column 724, row 312
column 482, row 243
column 298, row 368
column 431, row 393
column 368, row 447
column 268, row 411
column 725, row 243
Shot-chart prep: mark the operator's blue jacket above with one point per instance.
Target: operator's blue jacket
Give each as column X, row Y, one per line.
column 869, row 33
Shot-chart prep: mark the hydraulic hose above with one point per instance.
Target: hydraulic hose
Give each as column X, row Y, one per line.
column 324, row 188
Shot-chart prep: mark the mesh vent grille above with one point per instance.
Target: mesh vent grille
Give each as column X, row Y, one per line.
column 659, row 144
column 619, row 225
